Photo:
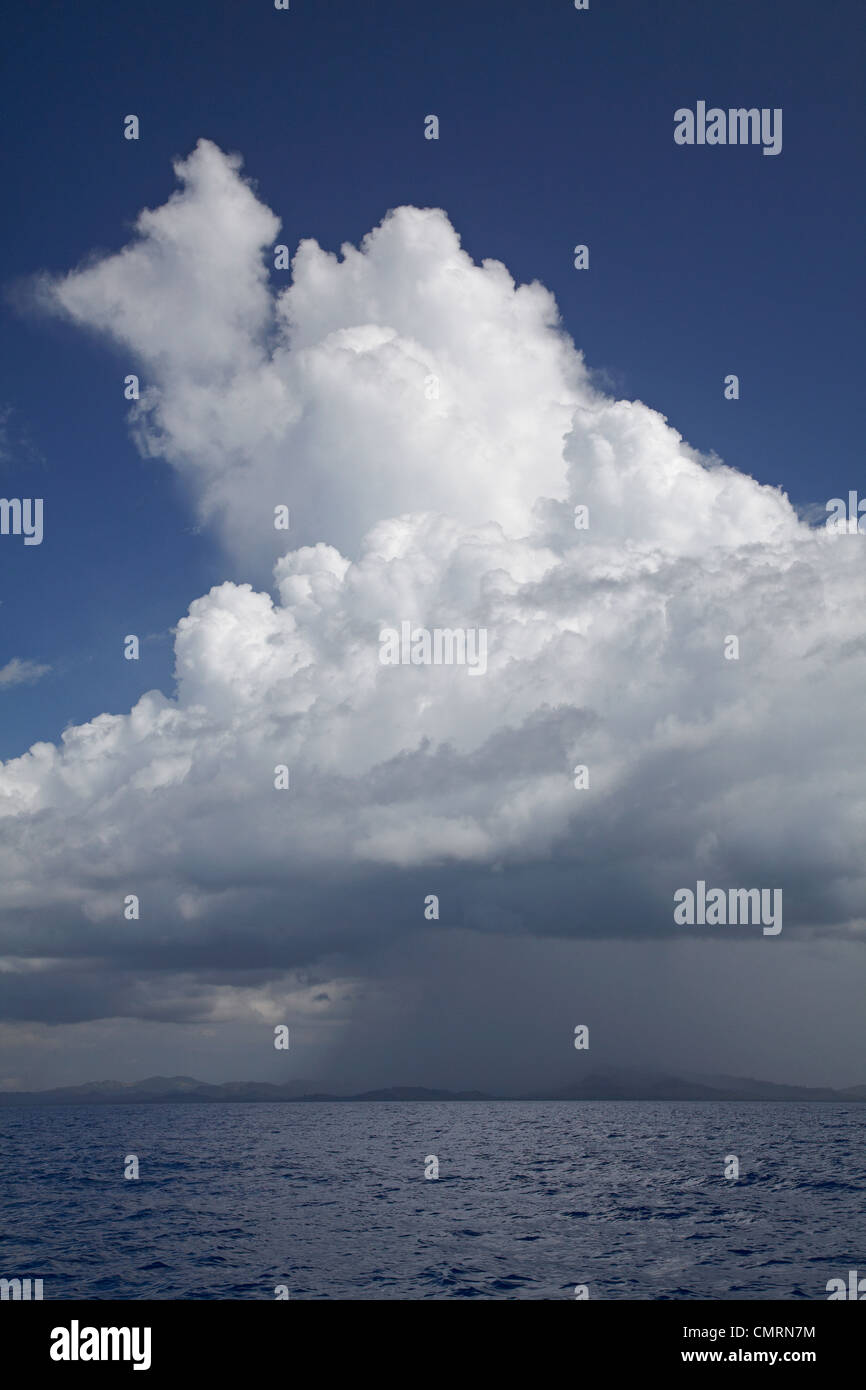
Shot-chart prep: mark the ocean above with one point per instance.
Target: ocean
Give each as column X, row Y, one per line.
column 533, row 1200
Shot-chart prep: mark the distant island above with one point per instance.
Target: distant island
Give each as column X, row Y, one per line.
column 599, row 1085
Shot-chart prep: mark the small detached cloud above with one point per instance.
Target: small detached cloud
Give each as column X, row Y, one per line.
column 18, row 672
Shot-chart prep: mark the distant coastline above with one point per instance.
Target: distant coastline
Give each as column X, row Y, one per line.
column 598, row 1086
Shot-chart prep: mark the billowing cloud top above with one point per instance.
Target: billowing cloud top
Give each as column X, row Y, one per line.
column 432, row 430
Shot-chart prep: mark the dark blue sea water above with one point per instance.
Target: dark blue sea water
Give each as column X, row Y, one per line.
column 532, row 1199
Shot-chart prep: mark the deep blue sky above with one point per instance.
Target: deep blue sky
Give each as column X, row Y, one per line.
column 556, row 128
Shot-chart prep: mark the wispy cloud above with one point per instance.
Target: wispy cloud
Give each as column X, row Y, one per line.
column 18, row 672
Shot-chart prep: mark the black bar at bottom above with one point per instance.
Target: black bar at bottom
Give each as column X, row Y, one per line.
column 160, row 1339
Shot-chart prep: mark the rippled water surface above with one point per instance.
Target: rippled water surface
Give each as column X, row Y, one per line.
column 532, row 1199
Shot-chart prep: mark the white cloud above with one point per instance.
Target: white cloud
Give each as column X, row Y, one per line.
column 20, row 672
column 605, row 645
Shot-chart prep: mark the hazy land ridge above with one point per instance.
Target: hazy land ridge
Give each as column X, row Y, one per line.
column 599, row 1085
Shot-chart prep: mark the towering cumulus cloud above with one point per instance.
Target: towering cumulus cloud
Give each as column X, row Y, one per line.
column 432, row 430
